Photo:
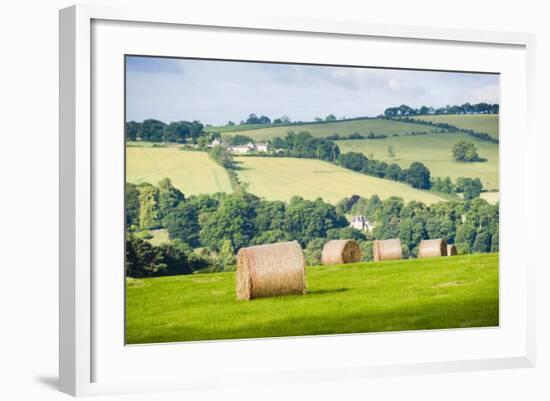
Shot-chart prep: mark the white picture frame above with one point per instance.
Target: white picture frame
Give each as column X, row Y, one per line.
column 94, row 361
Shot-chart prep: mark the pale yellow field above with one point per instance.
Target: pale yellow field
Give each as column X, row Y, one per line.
column 491, row 197
column 276, row 178
column 190, row 172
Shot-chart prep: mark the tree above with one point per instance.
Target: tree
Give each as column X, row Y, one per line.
column 132, row 130
column 152, row 130
column 148, row 207
column 221, row 156
column 177, row 131
column 353, row 160
column 471, row 187
column 233, row 221
column 313, row 251
column 482, row 243
column 391, row 152
column 418, row 176
column 252, row 119
column 464, row 151
column 183, row 223
column 132, row 205
column 239, row 139
column 330, row 117
column 227, row 254
column 169, row 197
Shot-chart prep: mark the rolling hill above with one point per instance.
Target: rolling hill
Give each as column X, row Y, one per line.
column 487, row 123
column 191, row 172
column 281, row 178
column 346, row 127
column 433, row 150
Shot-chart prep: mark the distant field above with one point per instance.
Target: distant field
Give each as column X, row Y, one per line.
column 278, row 178
column 487, row 123
column 418, row 294
column 191, row 172
column 434, row 150
column 491, row 197
column 222, row 129
column 363, row 127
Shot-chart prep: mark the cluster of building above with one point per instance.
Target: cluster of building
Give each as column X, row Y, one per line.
column 242, row 149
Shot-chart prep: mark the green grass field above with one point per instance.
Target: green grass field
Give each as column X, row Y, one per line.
column 363, row 127
column 487, row 123
column 434, row 150
column 160, row 237
column 191, row 172
column 280, row 178
column 436, row 293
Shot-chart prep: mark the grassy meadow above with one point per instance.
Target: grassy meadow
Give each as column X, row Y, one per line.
column 278, row 178
column 487, row 123
column 191, row 172
column 433, row 150
column 321, row 130
column 457, row 292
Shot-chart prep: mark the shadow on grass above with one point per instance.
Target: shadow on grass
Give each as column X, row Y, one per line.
column 327, row 291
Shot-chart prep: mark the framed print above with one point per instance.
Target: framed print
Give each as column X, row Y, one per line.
column 279, row 200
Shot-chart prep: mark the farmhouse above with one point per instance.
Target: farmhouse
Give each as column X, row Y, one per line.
column 249, row 147
column 360, row 222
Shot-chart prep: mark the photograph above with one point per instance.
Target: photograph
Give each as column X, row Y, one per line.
column 277, row 199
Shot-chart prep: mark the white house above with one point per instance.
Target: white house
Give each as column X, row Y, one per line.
column 360, row 222
column 249, row 147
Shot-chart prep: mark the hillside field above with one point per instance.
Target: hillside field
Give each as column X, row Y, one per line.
column 487, row 123
column 191, row 172
column 281, row 178
column 321, row 130
column 435, row 293
column 434, row 150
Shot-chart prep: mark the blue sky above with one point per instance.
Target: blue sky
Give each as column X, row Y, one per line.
column 217, row 91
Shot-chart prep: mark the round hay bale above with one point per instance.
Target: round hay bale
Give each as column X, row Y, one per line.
column 429, row 248
column 451, row 250
column 338, row 252
column 270, row 270
column 387, row 249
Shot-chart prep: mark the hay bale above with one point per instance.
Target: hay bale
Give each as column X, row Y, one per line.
column 388, row 249
column 429, row 248
column 341, row 251
column 270, row 270
column 451, row 250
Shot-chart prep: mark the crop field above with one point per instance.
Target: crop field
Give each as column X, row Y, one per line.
column 433, row 293
column 281, row 178
column 434, row 150
column 191, row 172
column 487, row 123
column 363, row 127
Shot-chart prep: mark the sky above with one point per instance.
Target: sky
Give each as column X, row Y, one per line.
column 215, row 92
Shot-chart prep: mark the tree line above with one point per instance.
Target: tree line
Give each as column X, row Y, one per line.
column 466, row 108
column 157, row 131
column 220, row 224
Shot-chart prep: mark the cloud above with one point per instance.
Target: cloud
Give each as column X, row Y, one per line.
column 486, row 94
column 217, row 91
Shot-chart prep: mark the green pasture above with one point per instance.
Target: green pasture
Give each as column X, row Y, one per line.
column 435, row 293
column 191, row 172
column 363, row 127
column 433, row 150
column 487, row 123
column 281, row 178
